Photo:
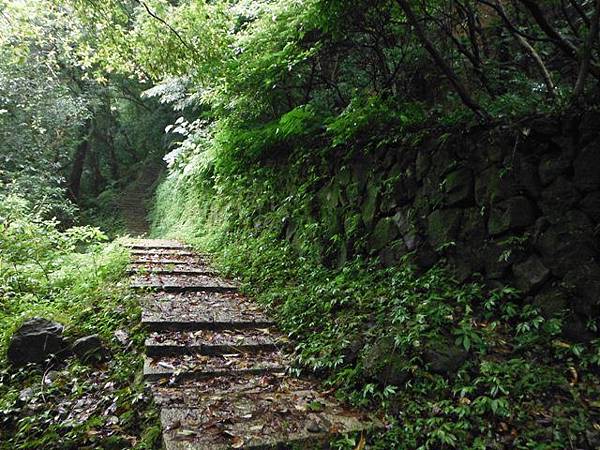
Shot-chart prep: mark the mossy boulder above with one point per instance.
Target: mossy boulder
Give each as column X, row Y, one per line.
column 458, row 187
column 443, row 226
column 443, row 357
column 369, row 207
column 530, row 274
column 384, row 363
column 513, row 214
column 587, row 175
column 383, row 234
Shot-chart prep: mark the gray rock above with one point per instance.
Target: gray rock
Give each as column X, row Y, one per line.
column 443, row 226
column 583, row 281
column 591, row 206
column 498, row 258
column 403, row 221
column 385, row 232
column 423, row 163
column 530, row 274
column 444, row 359
column 551, row 301
column 544, row 126
column 393, row 253
column 568, row 243
column 459, row 187
column 411, row 240
column 589, row 127
column 527, row 174
column 551, row 166
column 424, row 257
column 494, row 185
column 587, row 168
column 385, row 364
column 90, row 349
column 473, row 226
column 35, row 341
column 558, row 197
column 513, row 214
column 369, row 207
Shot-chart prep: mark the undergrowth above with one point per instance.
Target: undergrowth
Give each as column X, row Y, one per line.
column 448, row 364
column 77, row 279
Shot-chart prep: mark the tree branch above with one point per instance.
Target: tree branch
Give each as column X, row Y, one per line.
column 586, row 56
column 446, row 69
column 525, row 44
column 165, row 23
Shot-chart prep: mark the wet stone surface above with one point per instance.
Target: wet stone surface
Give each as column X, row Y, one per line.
column 181, row 282
column 245, row 420
column 201, row 310
column 217, row 367
column 213, row 342
column 198, row 366
column 162, row 252
column 169, row 268
column 154, row 244
column 167, row 260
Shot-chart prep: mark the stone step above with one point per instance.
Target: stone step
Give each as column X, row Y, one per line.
column 167, row 259
column 201, row 311
column 182, row 283
column 213, row 342
column 261, row 420
column 161, row 252
column 185, row 367
column 167, row 269
column 154, row 243
column 189, row 393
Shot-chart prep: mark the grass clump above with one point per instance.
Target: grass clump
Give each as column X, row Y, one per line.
column 73, row 277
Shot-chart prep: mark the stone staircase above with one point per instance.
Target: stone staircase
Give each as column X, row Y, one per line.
column 132, row 203
column 218, row 368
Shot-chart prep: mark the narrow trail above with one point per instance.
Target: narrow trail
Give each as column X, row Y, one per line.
column 132, row 203
column 217, row 366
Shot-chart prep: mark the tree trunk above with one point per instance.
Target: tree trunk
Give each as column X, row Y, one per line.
column 78, row 164
column 437, row 58
column 586, row 56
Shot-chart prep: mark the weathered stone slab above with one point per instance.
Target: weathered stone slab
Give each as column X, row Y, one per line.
column 201, row 311
column 189, row 393
column 260, row 420
column 203, row 366
column 162, row 251
column 213, row 342
column 170, row 269
column 167, row 259
column 182, row 283
column 154, row 244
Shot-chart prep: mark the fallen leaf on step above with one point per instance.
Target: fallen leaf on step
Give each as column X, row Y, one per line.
column 362, row 443
column 237, row 442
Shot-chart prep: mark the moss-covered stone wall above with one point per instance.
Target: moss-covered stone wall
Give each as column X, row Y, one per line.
column 518, row 206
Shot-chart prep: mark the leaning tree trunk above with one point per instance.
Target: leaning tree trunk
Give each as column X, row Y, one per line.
column 441, row 63
column 78, row 164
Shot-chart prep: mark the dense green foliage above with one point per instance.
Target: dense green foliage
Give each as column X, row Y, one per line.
column 74, row 278
column 255, row 97
column 69, row 141
column 371, row 330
